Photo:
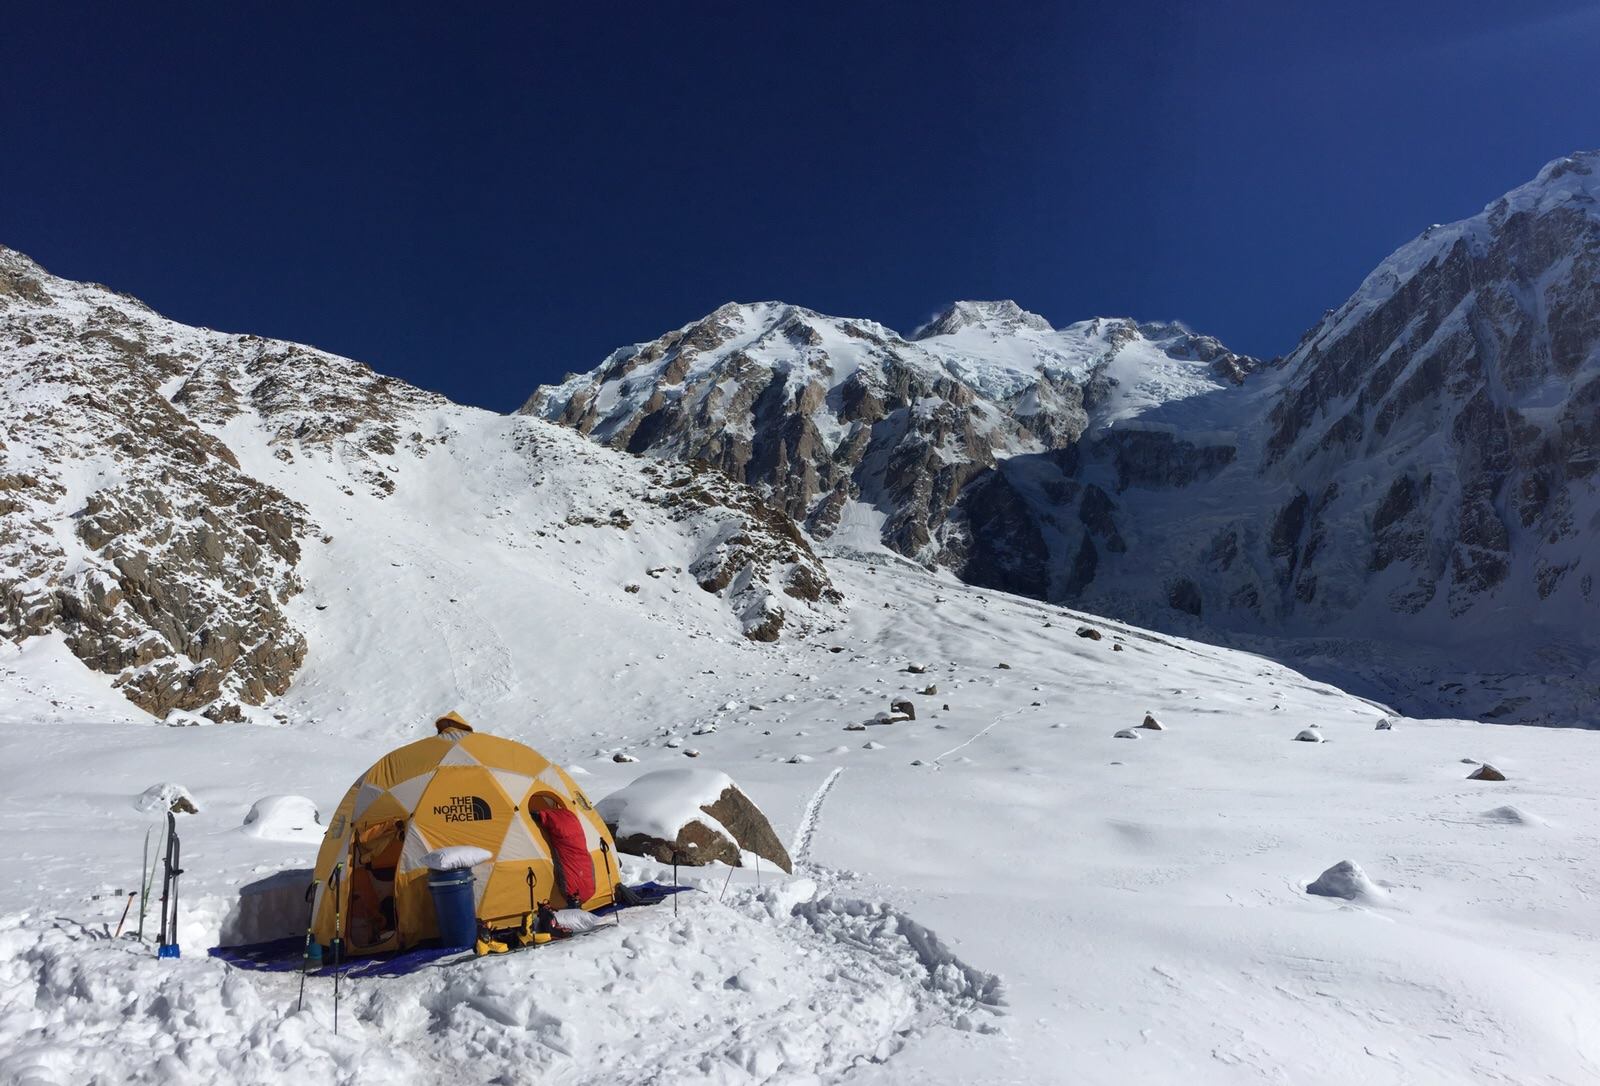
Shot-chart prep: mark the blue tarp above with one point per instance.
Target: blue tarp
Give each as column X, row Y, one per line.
column 286, row 955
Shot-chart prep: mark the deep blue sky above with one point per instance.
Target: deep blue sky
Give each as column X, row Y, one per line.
column 481, row 203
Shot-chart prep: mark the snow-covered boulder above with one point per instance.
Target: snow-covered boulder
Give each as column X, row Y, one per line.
column 1309, row 735
column 1126, row 733
column 698, row 813
column 1346, row 880
column 1513, row 816
column 283, row 818
column 1152, row 724
column 166, row 797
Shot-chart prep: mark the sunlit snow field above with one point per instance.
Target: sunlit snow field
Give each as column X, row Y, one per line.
column 1000, row 891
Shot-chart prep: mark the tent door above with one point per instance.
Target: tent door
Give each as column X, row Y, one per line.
column 375, row 855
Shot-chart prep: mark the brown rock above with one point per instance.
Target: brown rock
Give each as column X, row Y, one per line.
column 1486, row 772
column 699, row 844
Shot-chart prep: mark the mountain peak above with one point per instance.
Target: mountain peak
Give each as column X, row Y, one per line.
column 999, row 316
column 1566, row 181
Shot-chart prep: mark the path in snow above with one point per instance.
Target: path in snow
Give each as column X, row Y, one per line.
column 979, row 735
column 800, row 849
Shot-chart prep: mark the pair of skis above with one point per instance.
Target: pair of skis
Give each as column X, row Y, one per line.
column 167, row 940
column 170, row 861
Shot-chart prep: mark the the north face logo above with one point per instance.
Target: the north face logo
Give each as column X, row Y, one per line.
column 464, row 809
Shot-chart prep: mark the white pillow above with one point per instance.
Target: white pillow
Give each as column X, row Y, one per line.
column 455, row 857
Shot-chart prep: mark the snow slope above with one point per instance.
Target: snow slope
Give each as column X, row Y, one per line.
column 1000, row 891
column 168, row 493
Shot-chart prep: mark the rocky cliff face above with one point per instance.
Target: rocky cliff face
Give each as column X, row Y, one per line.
column 124, row 526
column 138, row 522
column 1419, row 474
column 833, row 416
column 1464, row 376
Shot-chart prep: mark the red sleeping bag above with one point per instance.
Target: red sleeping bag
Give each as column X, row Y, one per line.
column 570, row 850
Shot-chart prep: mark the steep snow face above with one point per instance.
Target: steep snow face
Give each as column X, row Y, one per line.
column 1453, row 404
column 1417, row 477
column 826, row 413
column 1001, row 316
column 1417, row 480
column 170, row 495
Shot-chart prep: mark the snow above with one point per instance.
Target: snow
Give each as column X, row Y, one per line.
column 161, row 797
column 1345, row 879
column 661, row 803
column 1044, row 896
column 284, row 818
column 999, row 892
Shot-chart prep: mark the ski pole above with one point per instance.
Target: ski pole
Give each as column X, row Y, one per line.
column 674, row 884
column 131, row 895
column 144, row 885
column 305, row 957
column 336, row 884
column 725, row 884
column 149, row 881
column 616, row 909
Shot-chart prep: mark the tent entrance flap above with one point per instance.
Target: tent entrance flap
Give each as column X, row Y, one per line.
column 375, row 856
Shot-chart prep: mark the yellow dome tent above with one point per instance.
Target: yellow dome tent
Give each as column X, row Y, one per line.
column 458, row 787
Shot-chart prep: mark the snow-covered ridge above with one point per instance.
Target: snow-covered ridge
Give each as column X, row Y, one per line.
column 1570, row 184
column 829, row 414
column 1419, row 468
column 164, row 491
column 1000, row 316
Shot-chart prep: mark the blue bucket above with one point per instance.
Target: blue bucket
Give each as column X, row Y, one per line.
column 454, row 907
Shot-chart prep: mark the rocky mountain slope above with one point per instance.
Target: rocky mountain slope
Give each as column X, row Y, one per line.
column 840, row 418
column 163, row 488
column 1412, row 488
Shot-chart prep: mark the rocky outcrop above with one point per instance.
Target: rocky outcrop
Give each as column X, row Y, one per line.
column 820, row 413
column 692, row 817
column 1460, row 382
column 129, row 525
column 749, row 553
column 124, row 525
